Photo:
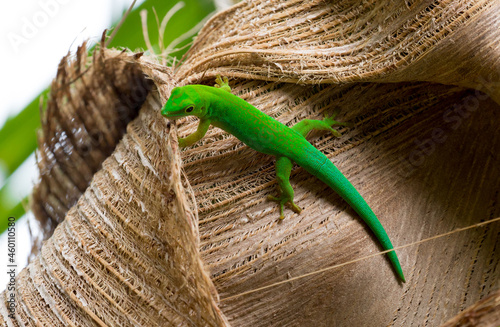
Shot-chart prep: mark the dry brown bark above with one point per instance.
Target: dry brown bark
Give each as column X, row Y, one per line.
column 422, row 149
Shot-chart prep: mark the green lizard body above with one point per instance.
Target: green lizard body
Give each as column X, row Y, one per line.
column 217, row 106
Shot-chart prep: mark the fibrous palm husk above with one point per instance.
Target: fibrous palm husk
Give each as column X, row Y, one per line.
column 90, row 104
column 422, row 153
column 484, row 313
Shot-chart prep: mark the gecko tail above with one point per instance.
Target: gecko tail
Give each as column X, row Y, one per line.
column 331, row 176
column 393, row 258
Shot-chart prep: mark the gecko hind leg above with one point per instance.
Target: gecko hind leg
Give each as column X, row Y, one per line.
column 307, row 125
column 283, row 170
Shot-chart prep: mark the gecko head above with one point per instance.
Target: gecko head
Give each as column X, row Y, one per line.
column 184, row 101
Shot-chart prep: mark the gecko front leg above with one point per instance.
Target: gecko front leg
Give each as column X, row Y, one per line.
column 196, row 136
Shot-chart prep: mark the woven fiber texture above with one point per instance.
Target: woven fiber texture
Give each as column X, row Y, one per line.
column 127, row 250
column 170, row 237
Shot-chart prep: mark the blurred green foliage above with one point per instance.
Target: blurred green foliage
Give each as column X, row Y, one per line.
column 18, row 135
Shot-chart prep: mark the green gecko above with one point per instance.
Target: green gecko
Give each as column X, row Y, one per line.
column 219, row 107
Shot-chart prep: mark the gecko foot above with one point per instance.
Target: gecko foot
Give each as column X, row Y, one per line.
column 282, row 200
column 330, row 121
column 222, row 83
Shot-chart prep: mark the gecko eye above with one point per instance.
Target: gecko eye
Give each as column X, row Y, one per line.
column 189, row 109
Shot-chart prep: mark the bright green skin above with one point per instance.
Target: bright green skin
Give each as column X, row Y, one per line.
column 217, row 106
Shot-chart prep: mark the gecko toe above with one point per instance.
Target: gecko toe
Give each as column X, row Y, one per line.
column 295, row 207
column 282, row 201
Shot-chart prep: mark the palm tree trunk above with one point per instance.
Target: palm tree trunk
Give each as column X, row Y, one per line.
column 417, row 80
